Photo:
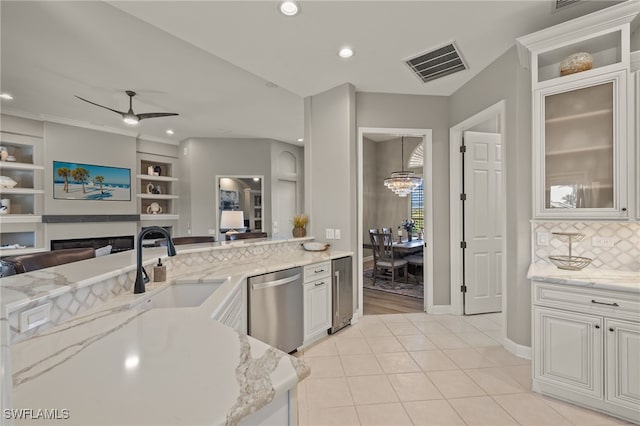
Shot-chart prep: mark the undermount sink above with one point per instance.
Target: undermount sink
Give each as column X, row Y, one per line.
column 186, row 295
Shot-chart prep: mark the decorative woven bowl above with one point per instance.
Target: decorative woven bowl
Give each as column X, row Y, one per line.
column 315, row 246
column 571, row 263
column 577, row 62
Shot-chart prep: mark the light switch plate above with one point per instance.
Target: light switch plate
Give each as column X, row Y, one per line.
column 542, row 238
column 329, row 234
column 35, row 317
column 337, row 234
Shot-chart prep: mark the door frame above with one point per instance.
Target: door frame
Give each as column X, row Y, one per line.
column 498, row 110
column 427, row 174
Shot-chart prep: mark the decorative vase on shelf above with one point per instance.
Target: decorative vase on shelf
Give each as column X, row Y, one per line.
column 299, row 232
column 157, row 171
column 150, row 170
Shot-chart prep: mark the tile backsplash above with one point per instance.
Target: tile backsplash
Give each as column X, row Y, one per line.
column 78, row 300
column 623, row 256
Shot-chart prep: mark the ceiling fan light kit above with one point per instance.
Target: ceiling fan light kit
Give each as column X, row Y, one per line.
column 130, row 117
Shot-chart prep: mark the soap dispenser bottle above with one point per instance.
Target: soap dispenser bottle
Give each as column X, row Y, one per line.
column 159, row 272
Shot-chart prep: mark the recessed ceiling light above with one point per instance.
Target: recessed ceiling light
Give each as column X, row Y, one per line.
column 6, row 96
column 345, row 52
column 300, row 139
column 170, row 132
column 289, row 8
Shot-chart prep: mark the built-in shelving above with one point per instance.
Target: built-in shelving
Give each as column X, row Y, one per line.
column 583, row 116
column 21, row 225
column 579, row 150
column 12, row 165
column 157, row 178
column 161, row 216
column 24, row 191
column 158, row 196
column 158, row 188
column 20, row 218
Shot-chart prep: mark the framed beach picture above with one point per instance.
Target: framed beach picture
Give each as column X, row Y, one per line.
column 76, row 181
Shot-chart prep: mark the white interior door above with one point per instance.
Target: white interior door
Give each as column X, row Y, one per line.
column 483, row 222
column 286, row 205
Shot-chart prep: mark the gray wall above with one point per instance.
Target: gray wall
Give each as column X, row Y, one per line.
column 506, row 79
column 330, row 162
column 78, row 145
column 23, row 126
column 424, row 112
column 202, row 159
column 635, row 39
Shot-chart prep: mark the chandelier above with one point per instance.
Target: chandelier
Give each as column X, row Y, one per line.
column 404, row 182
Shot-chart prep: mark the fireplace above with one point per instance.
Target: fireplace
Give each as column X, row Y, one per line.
column 118, row 244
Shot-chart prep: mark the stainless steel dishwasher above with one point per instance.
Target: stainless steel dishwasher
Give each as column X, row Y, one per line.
column 276, row 309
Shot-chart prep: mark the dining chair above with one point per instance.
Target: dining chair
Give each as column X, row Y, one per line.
column 383, row 256
column 373, row 230
column 417, row 261
column 386, row 230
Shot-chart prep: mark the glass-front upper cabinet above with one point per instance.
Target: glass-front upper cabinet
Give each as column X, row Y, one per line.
column 581, row 149
column 583, row 116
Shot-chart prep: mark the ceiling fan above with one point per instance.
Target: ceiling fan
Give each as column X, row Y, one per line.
column 130, row 117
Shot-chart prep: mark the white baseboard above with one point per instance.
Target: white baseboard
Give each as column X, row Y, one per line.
column 516, row 349
column 440, row 309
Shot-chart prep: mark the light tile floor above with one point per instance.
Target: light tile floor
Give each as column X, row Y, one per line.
column 419, row 369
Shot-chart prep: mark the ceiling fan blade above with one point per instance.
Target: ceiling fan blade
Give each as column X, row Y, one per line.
column 155, row 114
column 101, row 106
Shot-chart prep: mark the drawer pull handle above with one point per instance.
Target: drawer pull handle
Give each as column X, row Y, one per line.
column 317, row 271
column 603, row 303
column 319, row 284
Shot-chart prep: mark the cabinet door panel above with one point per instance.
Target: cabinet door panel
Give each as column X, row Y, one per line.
column 317, row 308
column 623, row 363
column 568, row 350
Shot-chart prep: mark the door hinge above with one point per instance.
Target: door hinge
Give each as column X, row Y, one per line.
column 463, row 244
column 463, row 288
column 463, row 148
column 463, row 197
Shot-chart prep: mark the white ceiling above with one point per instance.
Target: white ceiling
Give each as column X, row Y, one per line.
column 211, row 61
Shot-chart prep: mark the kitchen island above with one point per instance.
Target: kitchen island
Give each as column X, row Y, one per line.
column 120, row 362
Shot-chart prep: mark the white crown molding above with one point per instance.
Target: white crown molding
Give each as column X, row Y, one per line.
column 635, row 61
column 613, row 16
column 85, row 125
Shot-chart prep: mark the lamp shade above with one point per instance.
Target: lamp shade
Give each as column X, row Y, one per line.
column 230, row 219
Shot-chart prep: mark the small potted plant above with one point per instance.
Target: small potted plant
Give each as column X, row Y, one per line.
column 299, row 223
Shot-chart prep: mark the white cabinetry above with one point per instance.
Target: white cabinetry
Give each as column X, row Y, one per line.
column 317, row 301
column 233, row 310
column 586, row 347
column 21, row 225
column 583, row 121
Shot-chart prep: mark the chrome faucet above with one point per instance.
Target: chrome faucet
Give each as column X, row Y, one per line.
column 141, row 274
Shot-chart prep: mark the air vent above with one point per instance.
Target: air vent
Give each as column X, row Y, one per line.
column 563, row 3
column 437, row 63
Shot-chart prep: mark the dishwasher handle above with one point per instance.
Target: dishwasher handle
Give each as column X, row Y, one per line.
column 275, row 283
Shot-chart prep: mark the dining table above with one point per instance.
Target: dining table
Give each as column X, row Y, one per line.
column 403, row 248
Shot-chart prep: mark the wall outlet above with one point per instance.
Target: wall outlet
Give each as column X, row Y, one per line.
column 337, row 234
column 212, row 231
column 329, row 234
column 603, row 241
column 542, row 238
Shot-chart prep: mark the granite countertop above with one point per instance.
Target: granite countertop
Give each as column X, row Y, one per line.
column 628, row 281
column 121, row 363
